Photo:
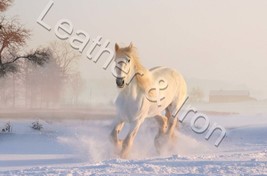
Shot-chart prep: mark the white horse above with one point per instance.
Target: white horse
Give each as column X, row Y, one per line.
column 144, row 93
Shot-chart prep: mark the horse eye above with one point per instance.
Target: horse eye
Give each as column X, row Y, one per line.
column 129, row 60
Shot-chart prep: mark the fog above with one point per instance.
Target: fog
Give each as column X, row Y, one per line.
column 214, row 44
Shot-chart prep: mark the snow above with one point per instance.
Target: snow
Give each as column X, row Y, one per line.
column 82, row 147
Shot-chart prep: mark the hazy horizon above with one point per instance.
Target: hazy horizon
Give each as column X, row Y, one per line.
column 224, row 41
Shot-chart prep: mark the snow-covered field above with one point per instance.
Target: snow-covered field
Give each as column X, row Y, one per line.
column 82, row 147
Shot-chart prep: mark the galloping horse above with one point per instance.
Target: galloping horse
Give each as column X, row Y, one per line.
column 139, row 98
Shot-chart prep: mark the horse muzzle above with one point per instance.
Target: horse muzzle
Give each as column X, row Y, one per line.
column 120, row 82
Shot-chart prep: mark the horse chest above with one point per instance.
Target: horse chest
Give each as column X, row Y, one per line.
column 129, row 107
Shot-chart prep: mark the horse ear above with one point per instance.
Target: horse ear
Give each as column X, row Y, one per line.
column 116, row 47
column 131, row 45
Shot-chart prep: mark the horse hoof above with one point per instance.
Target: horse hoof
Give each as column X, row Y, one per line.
column 123, row 156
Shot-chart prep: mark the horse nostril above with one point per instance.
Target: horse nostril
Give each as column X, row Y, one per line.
column 119, row 82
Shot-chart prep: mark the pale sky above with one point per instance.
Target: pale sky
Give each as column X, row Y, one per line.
column 207, row 40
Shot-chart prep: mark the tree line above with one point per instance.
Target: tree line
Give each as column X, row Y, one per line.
column 43, row 77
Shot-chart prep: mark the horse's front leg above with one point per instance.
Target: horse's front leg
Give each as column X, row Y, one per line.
column 163, row 126
column 128, row 141
column 117, row 126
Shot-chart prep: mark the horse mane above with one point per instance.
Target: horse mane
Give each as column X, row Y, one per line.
column 142, row 75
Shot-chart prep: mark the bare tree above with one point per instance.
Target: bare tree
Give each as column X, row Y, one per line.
column 4, row 4
column 76, row 86
column 66, row 58
column 12, row 37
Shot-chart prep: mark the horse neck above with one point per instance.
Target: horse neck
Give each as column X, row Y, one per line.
column 139, row 78
column 143, row 76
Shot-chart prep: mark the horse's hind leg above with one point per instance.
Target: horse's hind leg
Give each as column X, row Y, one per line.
column 163, row 126
column 172, row 123
column 118, row 125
